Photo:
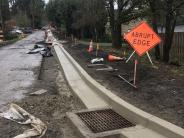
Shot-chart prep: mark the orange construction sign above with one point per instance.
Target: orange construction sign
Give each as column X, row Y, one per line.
column 142, row 38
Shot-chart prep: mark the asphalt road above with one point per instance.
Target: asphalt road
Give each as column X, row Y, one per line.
column 18, row 70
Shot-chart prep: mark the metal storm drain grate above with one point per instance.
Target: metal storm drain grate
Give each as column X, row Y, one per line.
column 104, row 120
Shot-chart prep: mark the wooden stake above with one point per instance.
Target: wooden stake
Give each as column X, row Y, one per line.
column 97, row 48
column 135, row 71
column 75, row 41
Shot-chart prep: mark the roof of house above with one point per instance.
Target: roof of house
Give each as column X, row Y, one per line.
column 178, row 28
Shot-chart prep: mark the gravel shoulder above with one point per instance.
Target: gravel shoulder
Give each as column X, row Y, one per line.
column 50, row 107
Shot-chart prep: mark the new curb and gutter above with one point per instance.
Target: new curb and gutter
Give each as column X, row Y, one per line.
column 148, row 125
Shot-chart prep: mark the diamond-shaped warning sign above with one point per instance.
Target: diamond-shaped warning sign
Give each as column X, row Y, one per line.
column 142, row 38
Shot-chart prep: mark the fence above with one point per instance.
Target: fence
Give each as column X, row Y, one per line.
column 177, row 49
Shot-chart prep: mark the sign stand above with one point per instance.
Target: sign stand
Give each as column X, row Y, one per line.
column 135, row 74
column 135, row 66
column 149, row 58
column 130, row 56
column 142, row 38
column 146, row 54
column 127, row 81
column 135, row 71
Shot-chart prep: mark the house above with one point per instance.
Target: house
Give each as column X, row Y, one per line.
column 178, row 28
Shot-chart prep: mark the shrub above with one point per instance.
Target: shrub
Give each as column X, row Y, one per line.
column 9, row 36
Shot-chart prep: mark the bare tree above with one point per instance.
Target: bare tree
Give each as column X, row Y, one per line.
column 155, row 11
column 172, row 10
column 122, row 11
column 91, row 15
column 4, row 12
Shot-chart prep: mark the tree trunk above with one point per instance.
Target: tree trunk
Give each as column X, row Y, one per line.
column 32, row 20
column 32, row 14
column 168, row 41
column 82, row 33
column 169, row 31
column 166, row 49
column 115, row 25
column 1, row 19
column 152, row 4
column 116, row 36
column 157, row 48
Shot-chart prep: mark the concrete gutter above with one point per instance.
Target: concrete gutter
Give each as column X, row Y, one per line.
column 83, row 91
column 94, row 95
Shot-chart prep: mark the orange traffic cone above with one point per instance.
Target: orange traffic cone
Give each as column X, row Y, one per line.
column 114, row 58
column 90, row 49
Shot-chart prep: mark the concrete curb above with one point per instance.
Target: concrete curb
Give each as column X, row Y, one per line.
column 127, row 110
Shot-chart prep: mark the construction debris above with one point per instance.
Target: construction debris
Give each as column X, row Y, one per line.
column 47, row 52
column 19, row 115
column 103, row 67
column 35, row 50
column 94, row 65
column 108, row 68
column 97, row 60
column 39, row 46
column 43, row 50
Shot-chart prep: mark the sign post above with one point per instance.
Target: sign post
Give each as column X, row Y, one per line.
column 142, row 39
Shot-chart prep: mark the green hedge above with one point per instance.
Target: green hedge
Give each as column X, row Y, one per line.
column 10, row 36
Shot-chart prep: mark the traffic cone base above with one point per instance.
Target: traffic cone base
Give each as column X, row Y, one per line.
column 90, row 49
column 114, row 58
